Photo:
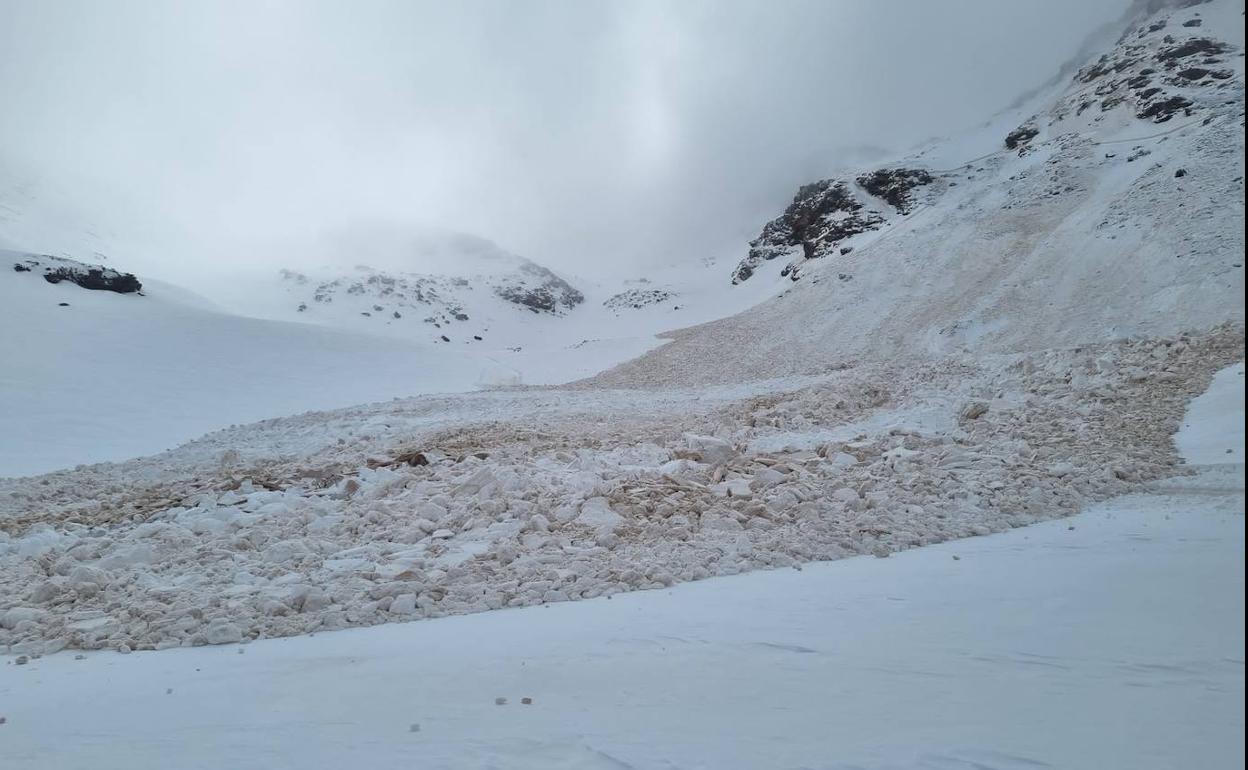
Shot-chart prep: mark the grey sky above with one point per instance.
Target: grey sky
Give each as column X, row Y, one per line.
column 583, row 134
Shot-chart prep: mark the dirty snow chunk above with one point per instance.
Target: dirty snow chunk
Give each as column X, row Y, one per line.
column 221, row 631
column 16, row 615
column 721, row 522
column 82, row 574
column 766, row 477
column 128, row 557
column 733, row 488
column 285, row 550
column 596, row 513
column 349, row 565
column 48, row 590
column 477, row 482
column 843, row 460
column 403, row 604
column 675, row 467
column 95, row 627
column 442, row 534
column 710, row 449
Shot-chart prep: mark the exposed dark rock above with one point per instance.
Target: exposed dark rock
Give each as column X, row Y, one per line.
column 637, row 298
column 821, row 215
column 1180, row 173
column 1193, row 22
column 1163, row 110
column 1197, row 45
column 895, row 185
column 551, row 295
column 95, row 277
column 1193, row 73
column 1021, row 136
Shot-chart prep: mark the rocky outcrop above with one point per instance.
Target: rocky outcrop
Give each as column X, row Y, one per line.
column 1156, row 75
column 895, row 185
column 635, row 299
column 1021, row 136
column 822, row 214
column 95, row 277
column 539, row 290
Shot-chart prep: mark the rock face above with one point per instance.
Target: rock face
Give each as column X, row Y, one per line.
column 895, row 185
column 822, row 214
column 539, row 290
column 826, row 213
column 96, row 277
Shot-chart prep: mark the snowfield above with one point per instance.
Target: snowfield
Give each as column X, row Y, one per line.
column 1114, row 638
column 981, row 457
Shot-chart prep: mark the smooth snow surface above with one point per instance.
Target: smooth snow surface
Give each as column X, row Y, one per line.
column 1213, row 430
column 111, row 376
column 1110, row 639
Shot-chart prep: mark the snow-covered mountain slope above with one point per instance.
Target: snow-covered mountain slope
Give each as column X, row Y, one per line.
column 464, row 291
column 1116, row 217
column 454, row 288
column 89, row 376
column 38, row 216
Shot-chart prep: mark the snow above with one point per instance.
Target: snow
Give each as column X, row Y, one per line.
column 113, row 376
column 1111, row 639
column 1213, row 430
column 986, row 366
column 116, row 376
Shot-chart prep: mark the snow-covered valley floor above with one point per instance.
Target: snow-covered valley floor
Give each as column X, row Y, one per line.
column 1114, row 638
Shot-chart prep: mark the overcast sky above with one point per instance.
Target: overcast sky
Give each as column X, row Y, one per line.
column 586, row 135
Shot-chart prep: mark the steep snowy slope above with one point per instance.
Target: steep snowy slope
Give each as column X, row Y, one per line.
column 1116, row 209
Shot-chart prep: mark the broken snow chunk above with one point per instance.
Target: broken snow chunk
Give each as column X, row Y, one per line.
column 710, row 450
column 597, row 514
column 221, row 631
column 403, row 604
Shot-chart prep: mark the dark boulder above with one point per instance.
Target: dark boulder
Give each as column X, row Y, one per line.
column 93, row 277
